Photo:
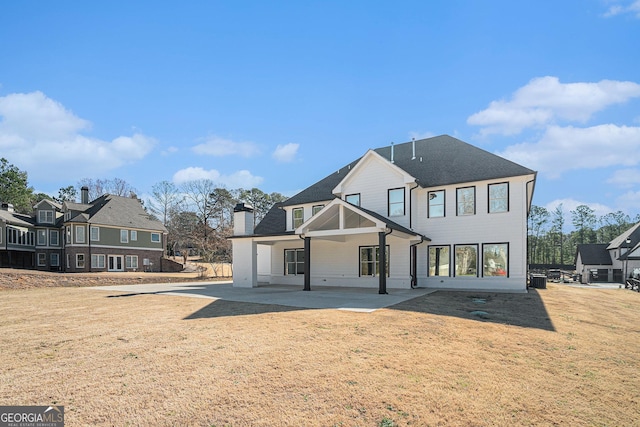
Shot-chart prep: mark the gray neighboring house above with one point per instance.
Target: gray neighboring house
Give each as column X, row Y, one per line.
column 610, row 262
column 110, row 233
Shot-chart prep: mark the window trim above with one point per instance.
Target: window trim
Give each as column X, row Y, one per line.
column 489, row 197
column 455, row 247
column 404, row 201
column 346, row 197
column 41, row 232
column 91, row 233
column 55, row 256
column 293, row 217
column 153, row 240
column 507, row 262
column 133, row 235
column 458, row 201
column 124, row 233
column 84, row 232
column 315, row 209
column 128, row 262
column 437, row 272
column 376, row 261
column 444, row 203
column 42, row 262
column 54, row 233
column 98, row 264
column 46, row 220
column 78, row 259
column 296, row 262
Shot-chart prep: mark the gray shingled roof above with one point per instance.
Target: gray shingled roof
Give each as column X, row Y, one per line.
column 594, row 254
column 16, row 219
column 441, row 160
column 117, row 211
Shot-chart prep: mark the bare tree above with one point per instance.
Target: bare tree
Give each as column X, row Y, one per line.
column 166, row 200
column 115, row 186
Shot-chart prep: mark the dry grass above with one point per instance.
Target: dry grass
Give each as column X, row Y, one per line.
column 559, row 356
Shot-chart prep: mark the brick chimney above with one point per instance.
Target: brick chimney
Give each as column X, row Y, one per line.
column 242, row 220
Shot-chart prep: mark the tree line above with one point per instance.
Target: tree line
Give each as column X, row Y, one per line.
column 198, row 214
column 548, row 243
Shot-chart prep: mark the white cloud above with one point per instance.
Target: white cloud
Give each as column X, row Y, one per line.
column 286, row 153
column 39, row 134
column 238, row 179
column 567, row 148
column 617, row 9
column 170, row 150
column 216, row 146
column 630, row 200
column 545, row 100
column 625, row 178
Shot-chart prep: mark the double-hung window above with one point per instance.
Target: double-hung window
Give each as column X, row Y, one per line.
column 54, row 237
column 42, row 237
column 80, row 233
column 436, row 204
column 79, row 260
column 42, row 259
column 124, row 236
column 95, row 234
column 370, row 260
column 395, row 202
column 45, row 217
column 293, row 261
column 54, row 259
column 97, row 261
column 466, row 199
column 298, row 217
column 499, row 197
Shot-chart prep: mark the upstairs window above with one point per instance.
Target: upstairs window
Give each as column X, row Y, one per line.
column 134, row 235
column 42, row 237
column 436, row 204
column 354, row 199
column 95, row 234
column 155, row 237
column 298, row 217
column 316, row 209
column 80, row 233
column 499, row 197
column 466, row 200
column 53, row 237
column 396, row 202
column 45, row 217
column 124, row 236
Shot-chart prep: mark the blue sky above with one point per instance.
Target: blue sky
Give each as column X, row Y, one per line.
column 278, row 94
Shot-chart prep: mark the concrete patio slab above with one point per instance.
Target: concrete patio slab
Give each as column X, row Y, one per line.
column 320, row 297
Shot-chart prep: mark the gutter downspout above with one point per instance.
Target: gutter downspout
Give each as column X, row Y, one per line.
column 411, row 204
column 413, row 264
column 533, row 187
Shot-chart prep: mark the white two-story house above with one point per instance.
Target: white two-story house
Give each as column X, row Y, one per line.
column 436, row 212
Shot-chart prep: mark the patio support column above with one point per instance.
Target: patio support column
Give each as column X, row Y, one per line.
column 307, row 264
column 382, row 262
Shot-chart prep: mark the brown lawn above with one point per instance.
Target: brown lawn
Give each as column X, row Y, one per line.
column 558, row 356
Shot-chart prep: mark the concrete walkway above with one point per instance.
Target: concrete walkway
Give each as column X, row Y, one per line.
column 352, row 299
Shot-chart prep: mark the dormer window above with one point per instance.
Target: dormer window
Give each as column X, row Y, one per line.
column 45, row 217
column 298, row 217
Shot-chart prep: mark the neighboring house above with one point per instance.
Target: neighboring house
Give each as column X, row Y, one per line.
column 610, row 262
column 17, row 238
column 111, row 233
column 439, row 212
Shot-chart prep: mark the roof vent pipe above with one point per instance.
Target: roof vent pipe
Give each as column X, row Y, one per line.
column 413, row 146
column 392, row 152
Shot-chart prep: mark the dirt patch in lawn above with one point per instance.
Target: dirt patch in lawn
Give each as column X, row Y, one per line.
column 150, row 360
column 27, row 279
